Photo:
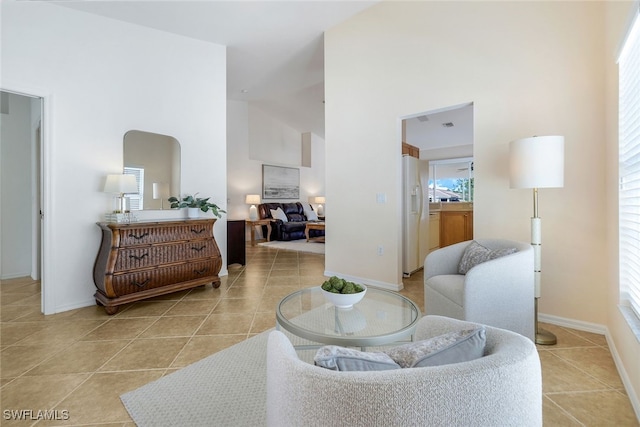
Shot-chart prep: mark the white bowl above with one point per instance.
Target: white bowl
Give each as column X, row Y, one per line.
column 344, row 300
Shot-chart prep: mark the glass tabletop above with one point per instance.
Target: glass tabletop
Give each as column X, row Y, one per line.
column 381, row 317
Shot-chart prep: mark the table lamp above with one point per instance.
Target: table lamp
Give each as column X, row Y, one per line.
column 121, row 185
column 537, row 162
column 160, row 191
column 253, row 200
column 319, row 200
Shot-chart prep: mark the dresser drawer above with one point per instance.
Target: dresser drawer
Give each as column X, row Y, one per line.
column 149, row 256
column 129, row 283
column 141, row 235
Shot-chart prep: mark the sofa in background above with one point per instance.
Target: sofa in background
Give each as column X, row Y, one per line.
column 293, row 228
column 502, row 388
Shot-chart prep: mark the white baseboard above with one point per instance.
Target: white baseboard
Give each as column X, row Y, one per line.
column 573, row 324
column 602, row 330
column 368, row 282
column 16, row 275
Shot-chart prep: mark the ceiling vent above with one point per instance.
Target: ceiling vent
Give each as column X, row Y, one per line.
column 423, row 118
column 448, row 125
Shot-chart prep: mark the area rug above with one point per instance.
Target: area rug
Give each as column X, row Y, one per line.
column 296, row 245
column 227, row 388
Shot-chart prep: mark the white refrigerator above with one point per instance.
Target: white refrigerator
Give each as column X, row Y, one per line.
column 415, row 217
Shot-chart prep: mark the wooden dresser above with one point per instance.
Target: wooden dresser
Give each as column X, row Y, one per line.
column 145, row 259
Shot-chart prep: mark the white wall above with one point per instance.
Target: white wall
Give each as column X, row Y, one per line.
column 101, row 78
column 530, row 68
column 15, row 178
column 252, row 142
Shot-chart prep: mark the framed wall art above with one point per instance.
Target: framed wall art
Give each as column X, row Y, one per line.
column 280, row 182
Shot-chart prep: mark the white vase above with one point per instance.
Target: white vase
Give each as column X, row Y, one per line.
column 193, row 212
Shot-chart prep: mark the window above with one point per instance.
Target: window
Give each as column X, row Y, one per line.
column 451, row 180
column 135, row 200
column 629, row 169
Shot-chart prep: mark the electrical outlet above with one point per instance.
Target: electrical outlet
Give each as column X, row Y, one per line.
column 380, row 250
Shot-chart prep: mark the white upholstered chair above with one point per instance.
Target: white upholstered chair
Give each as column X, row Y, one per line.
column 502, row 388
column 499, row 292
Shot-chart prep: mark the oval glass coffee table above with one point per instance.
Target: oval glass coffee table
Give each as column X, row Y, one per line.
column 382, row 317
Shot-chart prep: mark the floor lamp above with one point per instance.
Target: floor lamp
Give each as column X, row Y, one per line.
column 537, row 162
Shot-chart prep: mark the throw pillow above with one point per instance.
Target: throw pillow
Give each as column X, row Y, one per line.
column 346, row 359
column 278, row 214
column 476, row 254
column 309, row 212
column 454, row 347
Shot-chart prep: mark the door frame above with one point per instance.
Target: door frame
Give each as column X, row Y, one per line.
column 47, row 301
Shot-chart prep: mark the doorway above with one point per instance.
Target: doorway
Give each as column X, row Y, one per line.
column 21, row 118
column 431, row 136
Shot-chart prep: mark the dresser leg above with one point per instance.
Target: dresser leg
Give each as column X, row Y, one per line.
column 111, row 310
column 216, row 284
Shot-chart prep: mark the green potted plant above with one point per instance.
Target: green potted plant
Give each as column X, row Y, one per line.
column 195, row 204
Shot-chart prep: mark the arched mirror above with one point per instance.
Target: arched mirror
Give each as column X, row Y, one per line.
column 155, row 161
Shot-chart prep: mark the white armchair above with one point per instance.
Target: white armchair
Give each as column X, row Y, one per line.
column 502, row 388
column 498, row 293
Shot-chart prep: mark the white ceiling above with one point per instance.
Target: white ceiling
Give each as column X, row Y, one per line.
column 275, row 50
column 427, row 130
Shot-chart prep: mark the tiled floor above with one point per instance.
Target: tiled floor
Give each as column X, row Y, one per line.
column 79, row 362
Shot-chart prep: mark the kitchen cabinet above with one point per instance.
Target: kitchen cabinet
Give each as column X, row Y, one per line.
column 455, row 226
column 434, row 231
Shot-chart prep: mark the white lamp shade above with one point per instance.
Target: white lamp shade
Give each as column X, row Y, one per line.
column 537, row 162
column 119, row 184
column 160, row 190
column 319, row 199
column 252, row 199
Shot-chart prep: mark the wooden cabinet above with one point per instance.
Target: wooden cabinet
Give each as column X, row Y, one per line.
column 236, row 242
column 410, row 150
column 455, row 227
column 145, row 259
column 434, row 231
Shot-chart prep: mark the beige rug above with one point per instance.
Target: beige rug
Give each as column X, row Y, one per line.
column 296, row 245
column 227, row 389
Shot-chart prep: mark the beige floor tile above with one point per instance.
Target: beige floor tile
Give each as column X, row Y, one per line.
column 192, row 307
column 18, row 359
column 79, row 357
column 64, row 330
column 237, row 305
column 561, row 376
column 597, row 408
column 13, row 332
column 205, row 293
column 120, row 328
column 146, row 309
column 39, row 393
column 174, row 326
column 263, row 322
column 245, row 292
column 20, row 299
column 14, row 312
column 555, row 416
column 97, row 400
column 284, row 281
column 595, row 361
column 226, row 323
column 268, row 304
column 152, row 353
